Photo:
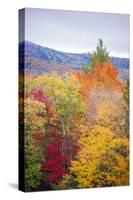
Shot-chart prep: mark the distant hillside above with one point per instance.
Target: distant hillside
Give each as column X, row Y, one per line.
column 43, row 60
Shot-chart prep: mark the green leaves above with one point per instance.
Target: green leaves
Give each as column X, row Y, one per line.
column 97, row 57
column 100, row 55
column 65, row 97
column 126, row 92
column 33, row 162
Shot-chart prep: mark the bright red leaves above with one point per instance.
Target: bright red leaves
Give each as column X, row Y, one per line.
column 55, row 161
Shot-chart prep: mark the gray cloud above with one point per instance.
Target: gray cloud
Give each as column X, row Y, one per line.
column 76, row 31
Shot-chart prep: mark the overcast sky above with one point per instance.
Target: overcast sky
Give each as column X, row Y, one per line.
column 73, row 31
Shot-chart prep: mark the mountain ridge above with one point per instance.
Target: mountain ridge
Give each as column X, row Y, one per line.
column 59, row 57
column 38, row 60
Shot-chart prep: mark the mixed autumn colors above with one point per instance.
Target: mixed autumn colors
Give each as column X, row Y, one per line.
column 76, row 124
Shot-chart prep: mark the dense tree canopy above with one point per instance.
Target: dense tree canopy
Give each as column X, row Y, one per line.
column 76, row 127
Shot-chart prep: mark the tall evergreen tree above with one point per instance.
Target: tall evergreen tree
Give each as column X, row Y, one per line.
column 99, row 56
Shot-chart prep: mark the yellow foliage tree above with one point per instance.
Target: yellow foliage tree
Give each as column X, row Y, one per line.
column 102, row 159
column 114, row 116
column 64, row 95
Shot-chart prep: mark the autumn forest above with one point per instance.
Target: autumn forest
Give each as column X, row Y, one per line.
column 76, row 126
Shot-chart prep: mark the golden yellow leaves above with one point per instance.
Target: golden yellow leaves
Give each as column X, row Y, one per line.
column 34, row 114
column 102, row 159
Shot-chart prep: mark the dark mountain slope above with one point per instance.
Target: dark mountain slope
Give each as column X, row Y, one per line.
column 40, row 60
